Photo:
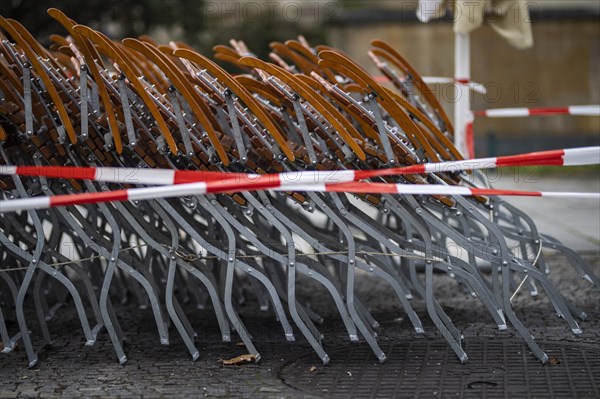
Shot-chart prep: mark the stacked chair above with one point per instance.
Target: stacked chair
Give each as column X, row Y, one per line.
column 90, row 101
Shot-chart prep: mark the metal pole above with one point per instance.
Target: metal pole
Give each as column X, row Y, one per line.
column 462, row 75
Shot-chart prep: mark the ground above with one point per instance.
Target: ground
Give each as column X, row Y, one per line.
column 499, row 364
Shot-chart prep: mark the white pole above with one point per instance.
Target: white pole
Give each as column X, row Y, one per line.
column 462, row 75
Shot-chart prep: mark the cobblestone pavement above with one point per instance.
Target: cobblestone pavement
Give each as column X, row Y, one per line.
column 419, row 366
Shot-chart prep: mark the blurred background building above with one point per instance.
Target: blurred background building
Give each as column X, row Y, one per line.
column 561, row 68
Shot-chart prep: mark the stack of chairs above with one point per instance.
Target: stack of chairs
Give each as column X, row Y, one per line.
column 87, row 100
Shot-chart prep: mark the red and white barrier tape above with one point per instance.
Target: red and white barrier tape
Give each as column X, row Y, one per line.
column 566, row 157
column 199, row 188
column 582, row 110
column 470, row 138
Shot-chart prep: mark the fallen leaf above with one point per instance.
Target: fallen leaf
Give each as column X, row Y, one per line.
column 242, row 359
column 349, row 374
column 239, row 344
column 312, row 368
column 269, row 389
column 553, row 361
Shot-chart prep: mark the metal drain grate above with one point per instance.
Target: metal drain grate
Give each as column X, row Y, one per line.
column 496, row 369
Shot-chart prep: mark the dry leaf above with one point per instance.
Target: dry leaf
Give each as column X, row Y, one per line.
column 312, row 368
column 553, row 361
column 242, row 359
column 349, row 373
column 240, row 344
column 269, row 389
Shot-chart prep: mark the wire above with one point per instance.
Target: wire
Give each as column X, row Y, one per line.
column 193, row 257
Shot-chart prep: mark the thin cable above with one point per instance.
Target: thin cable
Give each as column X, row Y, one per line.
column 192, row 257
column 73, row 262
